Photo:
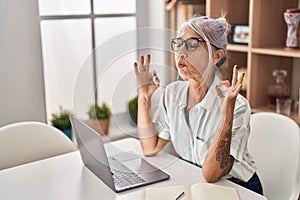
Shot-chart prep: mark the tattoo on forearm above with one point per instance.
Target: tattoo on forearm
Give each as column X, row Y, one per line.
column 228, row 168
column 223, row 149
column 223, row 153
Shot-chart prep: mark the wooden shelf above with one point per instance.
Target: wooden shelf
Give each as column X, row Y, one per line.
column 277, row 51
column 265, row 51
column 294, row 117
column 238, row 48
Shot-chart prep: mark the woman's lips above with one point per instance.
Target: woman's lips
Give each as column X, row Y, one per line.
column 181, row 65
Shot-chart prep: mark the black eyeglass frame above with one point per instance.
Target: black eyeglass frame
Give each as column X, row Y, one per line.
column 185, row 42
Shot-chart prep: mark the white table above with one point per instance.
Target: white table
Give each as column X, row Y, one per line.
column 65, row 177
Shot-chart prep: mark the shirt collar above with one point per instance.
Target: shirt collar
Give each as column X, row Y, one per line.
column 208, row 101
column 210, row 98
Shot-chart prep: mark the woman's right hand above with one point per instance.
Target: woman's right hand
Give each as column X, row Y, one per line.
column 147, row 81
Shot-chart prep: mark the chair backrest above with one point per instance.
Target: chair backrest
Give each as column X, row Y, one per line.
column 26, row 142
column 274, row 144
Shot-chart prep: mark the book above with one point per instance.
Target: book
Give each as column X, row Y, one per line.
column 197, row 191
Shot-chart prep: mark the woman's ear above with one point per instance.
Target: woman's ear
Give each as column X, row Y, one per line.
column 218, row 56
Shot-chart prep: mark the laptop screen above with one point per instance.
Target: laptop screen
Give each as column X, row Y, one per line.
column 92, row 151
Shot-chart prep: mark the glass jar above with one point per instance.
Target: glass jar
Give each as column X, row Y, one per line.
column 280, row 89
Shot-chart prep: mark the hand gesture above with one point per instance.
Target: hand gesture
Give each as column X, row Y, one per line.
column 147, row 82
column 233, row 89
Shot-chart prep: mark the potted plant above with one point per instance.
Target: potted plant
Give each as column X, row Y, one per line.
column 62, row 122
column 99, row 117
column 132, row 107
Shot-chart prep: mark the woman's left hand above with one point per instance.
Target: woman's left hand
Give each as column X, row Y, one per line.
column 218, row 161
column 233, row 88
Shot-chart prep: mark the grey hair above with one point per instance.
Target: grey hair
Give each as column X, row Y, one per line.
column 212, row 30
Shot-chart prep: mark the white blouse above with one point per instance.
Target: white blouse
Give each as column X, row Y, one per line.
column 192, row 140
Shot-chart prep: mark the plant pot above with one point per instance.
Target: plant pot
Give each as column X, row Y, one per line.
column 100, row 125
column 68, row 133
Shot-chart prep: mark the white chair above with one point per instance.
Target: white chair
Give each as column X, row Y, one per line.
column 274, row 144
column 26, row 142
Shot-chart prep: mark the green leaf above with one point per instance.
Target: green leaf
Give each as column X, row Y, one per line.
column 61, row 120
column 99, row 112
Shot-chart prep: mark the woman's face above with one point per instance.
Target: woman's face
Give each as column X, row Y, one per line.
column 191, row 64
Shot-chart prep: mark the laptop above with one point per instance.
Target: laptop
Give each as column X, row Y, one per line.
column 120, row 172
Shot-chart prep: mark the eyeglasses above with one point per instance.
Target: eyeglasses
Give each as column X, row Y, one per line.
column 191, row 44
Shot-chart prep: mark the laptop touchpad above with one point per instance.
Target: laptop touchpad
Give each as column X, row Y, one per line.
column 134, row 162
column 125, row 156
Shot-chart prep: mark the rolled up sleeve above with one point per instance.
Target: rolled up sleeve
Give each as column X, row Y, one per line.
column 160, row 120
column 240, row 131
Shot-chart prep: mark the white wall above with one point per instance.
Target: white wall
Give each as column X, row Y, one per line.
column 21, row 75
column 21, row 72
column 152, row 15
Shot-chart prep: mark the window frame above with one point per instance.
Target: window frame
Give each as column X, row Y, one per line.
column 92, row 16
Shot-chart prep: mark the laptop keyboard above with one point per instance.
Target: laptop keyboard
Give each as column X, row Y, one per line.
column 122, row 175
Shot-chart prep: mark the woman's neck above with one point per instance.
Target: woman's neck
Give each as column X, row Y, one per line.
column 197, row 91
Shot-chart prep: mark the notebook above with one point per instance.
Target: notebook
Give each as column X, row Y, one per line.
column 196, row 191
column 120, row 172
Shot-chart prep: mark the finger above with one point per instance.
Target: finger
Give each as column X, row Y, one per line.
column 235, row 75
column 219, row 92
column 237, row 89
column 147, row 64
column 136, row 70
column 154, row 76
column 142, row 60
column 241, row 78
column 226, row 83
column 142, row 63
column 153, row 73
column 156, row 81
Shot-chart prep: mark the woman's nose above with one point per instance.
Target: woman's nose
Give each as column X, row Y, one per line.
column 183, row 55
column 182, row 52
